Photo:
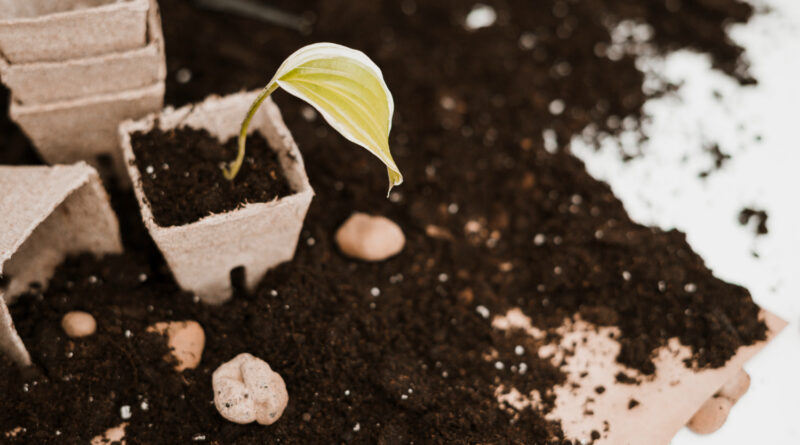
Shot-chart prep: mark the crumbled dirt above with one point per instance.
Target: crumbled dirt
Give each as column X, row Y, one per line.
column 530, row 229
column 182, row 175
column 760, row 216
column 719, row 157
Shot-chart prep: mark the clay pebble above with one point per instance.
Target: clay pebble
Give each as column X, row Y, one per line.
column 246, row 389
column 370, row 237
column 736, row 387
column 711, row 416
column 78, row 324
column 186, row 340
column 115, row 435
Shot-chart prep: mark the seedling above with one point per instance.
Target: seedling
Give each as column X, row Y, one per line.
column 346, row 88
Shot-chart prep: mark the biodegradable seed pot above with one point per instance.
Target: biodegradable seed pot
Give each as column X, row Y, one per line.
column 86, row 128
column 46, row 30
column 34, row 83
column 259, row 224
column 70, row 107
column 47, row 213
column 256, row 235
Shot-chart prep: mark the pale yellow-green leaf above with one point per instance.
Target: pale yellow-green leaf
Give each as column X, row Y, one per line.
column 347, row 89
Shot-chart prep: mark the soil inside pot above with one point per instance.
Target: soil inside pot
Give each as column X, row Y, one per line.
column 182, row 176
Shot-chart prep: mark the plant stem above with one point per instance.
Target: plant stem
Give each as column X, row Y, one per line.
column 233, row 170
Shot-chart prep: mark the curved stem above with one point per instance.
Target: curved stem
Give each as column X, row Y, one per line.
column 234, row 167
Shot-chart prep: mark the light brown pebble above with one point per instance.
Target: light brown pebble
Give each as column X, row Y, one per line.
column 112, row 435
column 711, row 416
column 78, row 324
column 186, row 339
column 370, row 238
column 438, row 232
column 15, row 432
column 246, row 389
column 736, row 387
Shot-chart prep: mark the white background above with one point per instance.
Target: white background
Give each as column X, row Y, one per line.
column 662, row 188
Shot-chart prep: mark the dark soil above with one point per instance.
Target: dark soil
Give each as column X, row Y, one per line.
column 14, row 145
column 719, row 157
column 407, row 365
column 760, row 216
column 182, row 176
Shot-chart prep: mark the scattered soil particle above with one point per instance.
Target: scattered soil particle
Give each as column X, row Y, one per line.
column 633, row 403
column 621, row 377
column 719, row 159
column 761, row 219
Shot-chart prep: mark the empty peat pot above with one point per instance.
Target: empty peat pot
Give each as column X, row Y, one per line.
column 86, row 128
column 76, row 69
column 47, row 213
column 44, row 82
column 253, row 235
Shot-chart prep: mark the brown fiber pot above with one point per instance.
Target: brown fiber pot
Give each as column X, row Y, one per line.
column 257, row 236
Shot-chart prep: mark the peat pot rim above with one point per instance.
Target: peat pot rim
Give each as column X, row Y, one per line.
column 299, row 185
column 12, row 73
column 111, row 6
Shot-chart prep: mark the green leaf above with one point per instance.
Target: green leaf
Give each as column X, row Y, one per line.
column 347, row 89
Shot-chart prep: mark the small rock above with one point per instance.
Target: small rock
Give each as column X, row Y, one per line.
column 186, row 339
column 438, row 232
column 711, row 416
column 114, row 435
column 370, row 238
column 78, row 324
column 736, row 387
column 246, row 389
column 15, row 432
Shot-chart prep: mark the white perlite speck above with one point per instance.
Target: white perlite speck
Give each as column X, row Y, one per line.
column 483, row 311
column 626, row 275
column 481, row 16
column 125, row 412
